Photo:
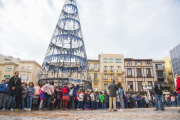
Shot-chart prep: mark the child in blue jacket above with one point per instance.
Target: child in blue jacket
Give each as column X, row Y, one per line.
column 4, row 89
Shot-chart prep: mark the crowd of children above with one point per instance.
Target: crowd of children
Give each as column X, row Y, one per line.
column 48, row 96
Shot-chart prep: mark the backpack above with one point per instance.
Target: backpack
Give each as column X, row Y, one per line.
column 64, row 90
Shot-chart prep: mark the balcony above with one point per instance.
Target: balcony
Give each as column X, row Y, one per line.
column 160, row 68
column 119, row 71
column 24, row 70
column 119, row 80
column 111, row 70
column 129, row 76
column 161, row 76
column 149, row 76
column 96, row 80
column 105, row 71
column 96, row 69
column 139, row 76
column 105, row 79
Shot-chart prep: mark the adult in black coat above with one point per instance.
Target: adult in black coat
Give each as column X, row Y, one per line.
column 14, row 85
column 112, row 95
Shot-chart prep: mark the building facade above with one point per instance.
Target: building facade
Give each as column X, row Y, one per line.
column 169, row 74
column 160, row 74
column 175, row 61
column 137, row 72
column 107, row 68
column 94, row 73
column 28, row 69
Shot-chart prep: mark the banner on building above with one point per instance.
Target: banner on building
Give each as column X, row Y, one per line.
column 75, row 81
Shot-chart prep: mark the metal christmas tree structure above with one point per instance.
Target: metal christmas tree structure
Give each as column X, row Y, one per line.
column 66, row 55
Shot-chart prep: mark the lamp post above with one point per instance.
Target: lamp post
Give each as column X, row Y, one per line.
column 146, row 86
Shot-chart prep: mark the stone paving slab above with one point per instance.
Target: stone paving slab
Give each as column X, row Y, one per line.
column 171, row 113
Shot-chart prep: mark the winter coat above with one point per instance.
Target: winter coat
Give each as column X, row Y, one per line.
column 12, row 84
column 143, row 100
column 92, row 97
column 112, row 90
column 117, row 99
column 80, row 97
column 86, row 98
column 105, row 99
column 31, row 92
column 147, row 100
column 101, row 97
column 97, row 97
column 158, row 89
column 3, row 87
column 120, row 91
column 18, row 91
column 49, row 89
column 42, row 94
column 59, row 94
column 74, row 90
column 178, row 85
column 68, row 90
column 37, row 91
column 24, row 92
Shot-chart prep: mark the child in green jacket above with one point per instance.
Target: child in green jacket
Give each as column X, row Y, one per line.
column 101, row 98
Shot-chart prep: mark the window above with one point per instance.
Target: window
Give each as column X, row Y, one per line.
column 22, row 67
column 160, row 74
column 140, row 86
column 6, row 76
column 138, row 62
column 112, row 77
column 130, row 86
column 105, row 60
column 22, row 76
column 118, row 61
column 105, row 67
column 8, row 68
column 118, row 67
column 105, row 77
column 105, row 87
column 158, row 66
column 95, row 66
column 148, row 72
column 95, row 76
column 27, row 77
column 147, row 62
column 139, row 72
column 111, row 60
column 88, row 66
column 28, row 67
column 129, row 62
column 129, row 72
column 111, row 68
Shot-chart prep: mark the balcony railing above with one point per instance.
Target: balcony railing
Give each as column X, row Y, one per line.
column 112, row 70
column 149, row 76
column 139, row 76
column 160, row 68
column 105, row 70
column 119, row 71
column 129, row 76
column 25, row 70
column 161, row 76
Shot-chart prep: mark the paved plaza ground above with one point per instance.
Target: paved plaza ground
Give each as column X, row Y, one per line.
column 129, row 114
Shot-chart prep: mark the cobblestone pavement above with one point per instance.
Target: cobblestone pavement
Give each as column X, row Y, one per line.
column 170, row 113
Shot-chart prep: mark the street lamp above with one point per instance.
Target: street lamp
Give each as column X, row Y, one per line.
column 146, row 86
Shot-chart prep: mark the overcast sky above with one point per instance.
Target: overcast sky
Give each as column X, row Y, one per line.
column 135, row 28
